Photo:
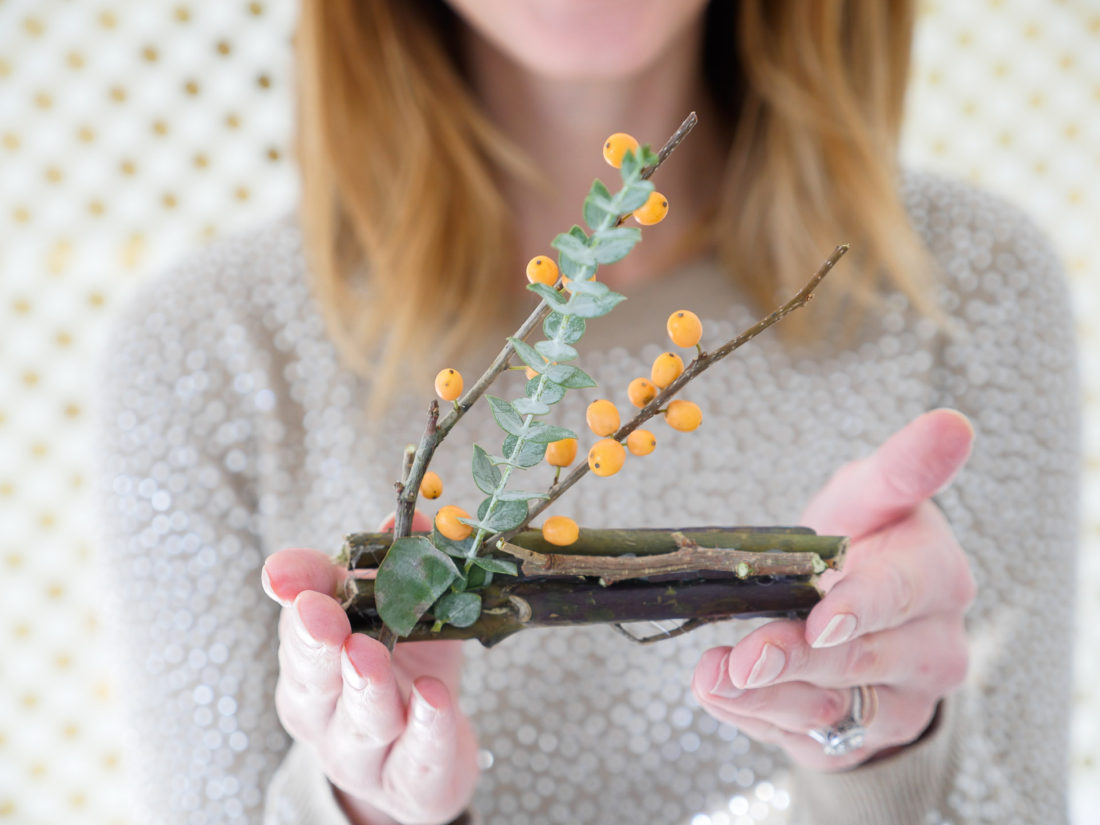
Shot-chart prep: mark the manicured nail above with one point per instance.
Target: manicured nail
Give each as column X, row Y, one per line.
column 351, row 675
column 300, row 626
column 767, row 667
column 265, row 582
column 839, row 630
column 423, row 713
column 723, row 687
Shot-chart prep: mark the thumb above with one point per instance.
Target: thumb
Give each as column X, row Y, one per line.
column 911, row 465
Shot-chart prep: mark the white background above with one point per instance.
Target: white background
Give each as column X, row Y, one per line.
column 131, row 132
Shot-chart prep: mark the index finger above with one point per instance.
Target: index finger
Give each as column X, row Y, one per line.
column 286, row 573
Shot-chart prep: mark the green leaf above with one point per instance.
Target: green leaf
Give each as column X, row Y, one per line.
column 594, row 288
column 486, row 476
column 496, row 565
column 519, row 495
column 542, row 433
column 552, row 297
column 556, row 350
column 505, row 515
column 578, row 233
column 458, row 609
column 588, row 306
column 574, row 328
column 633, row 195
column 458, row 549
column 574, row 248
column 630, row 167
column 411, row 577
column 569, row 377
column 551, row 393
column 528, row 354
column 528, row 455
column 598, row 207
column 506, row 416
column 647, row 156
column 477, row 578
column 529, row 406
column 610, row 245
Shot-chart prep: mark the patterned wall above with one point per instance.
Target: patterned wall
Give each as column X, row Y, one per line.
column 133, row 131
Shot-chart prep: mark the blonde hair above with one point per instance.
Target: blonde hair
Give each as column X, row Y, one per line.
column 404, row 221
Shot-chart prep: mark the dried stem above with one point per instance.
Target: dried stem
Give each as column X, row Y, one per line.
column 702, row 361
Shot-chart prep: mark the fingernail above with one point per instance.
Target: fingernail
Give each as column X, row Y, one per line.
column 767, row 667
column 839, row 630
column 723, row 687
column 351, row 675
column 265, row 582
column 300, row 626
column 423, row 713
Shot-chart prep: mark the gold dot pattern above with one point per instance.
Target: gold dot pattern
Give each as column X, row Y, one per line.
column 124, row 149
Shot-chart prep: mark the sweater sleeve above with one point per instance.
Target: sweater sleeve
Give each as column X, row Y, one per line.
column 181, row 553
column 999, row 750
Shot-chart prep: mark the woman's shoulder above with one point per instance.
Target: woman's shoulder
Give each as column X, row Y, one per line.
column 239, row 290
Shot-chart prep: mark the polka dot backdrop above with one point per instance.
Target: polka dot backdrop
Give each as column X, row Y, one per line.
column 132, row 132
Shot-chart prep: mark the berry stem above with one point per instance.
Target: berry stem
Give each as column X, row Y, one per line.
column 696, row 367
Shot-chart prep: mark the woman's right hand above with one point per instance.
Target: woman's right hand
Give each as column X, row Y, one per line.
column 386, row 730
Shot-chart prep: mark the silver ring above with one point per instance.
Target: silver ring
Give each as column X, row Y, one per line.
column 849, row 733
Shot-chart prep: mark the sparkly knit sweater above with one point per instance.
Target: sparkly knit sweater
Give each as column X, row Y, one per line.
column 230, row 429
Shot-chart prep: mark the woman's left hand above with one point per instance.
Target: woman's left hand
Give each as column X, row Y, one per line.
column 891, row 619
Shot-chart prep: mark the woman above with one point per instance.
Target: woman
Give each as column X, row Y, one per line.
column 443, row 144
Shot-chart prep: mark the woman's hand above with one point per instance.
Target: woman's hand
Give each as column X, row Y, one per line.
column 892, row 618
column 387, row 731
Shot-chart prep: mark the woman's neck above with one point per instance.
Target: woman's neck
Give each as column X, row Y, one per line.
column 562, row 125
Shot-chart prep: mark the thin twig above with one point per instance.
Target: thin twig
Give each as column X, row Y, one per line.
column 702, row 362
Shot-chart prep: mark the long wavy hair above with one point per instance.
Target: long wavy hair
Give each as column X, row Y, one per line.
column 403, row 219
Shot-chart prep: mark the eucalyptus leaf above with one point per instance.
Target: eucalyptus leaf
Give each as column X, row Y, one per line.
column 505, row 514
column 633, row 195
column 552, row 297
column 496, row 565
column 538, row 432
column 519, row 495
column 477, row 578
column 556, row 350
column 578, row 233
column 529, row 406
column 551, row 392
column 458, row 549
column 575, row 249
column 528, row 455
column 528, row 354
column 610, row 245
column 506, row 416
column 593, row 288
column 570, row 377
column 598, row 207
column 411, row 577
column 574, row 327
column 588, row 306
column 630, row 167
column 458, row 609
column 486, row 476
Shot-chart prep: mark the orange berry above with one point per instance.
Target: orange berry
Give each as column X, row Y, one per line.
column 560, row 530
column 684, row 416
column 641, row 391
column 666, row 369
column 448, row 524
column 641, row 442
column 431, row 486
column 448, row 384
column 653, row 210
column 615, row 147
column 561, row 453
column 529, row 373
column 602, row 417
column 684, row 328
column 542, row 270
column 606, row 457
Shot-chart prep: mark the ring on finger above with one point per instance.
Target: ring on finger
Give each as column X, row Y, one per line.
column 849, row 733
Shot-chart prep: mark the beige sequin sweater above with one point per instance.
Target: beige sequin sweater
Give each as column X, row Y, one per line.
column 229, row 430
